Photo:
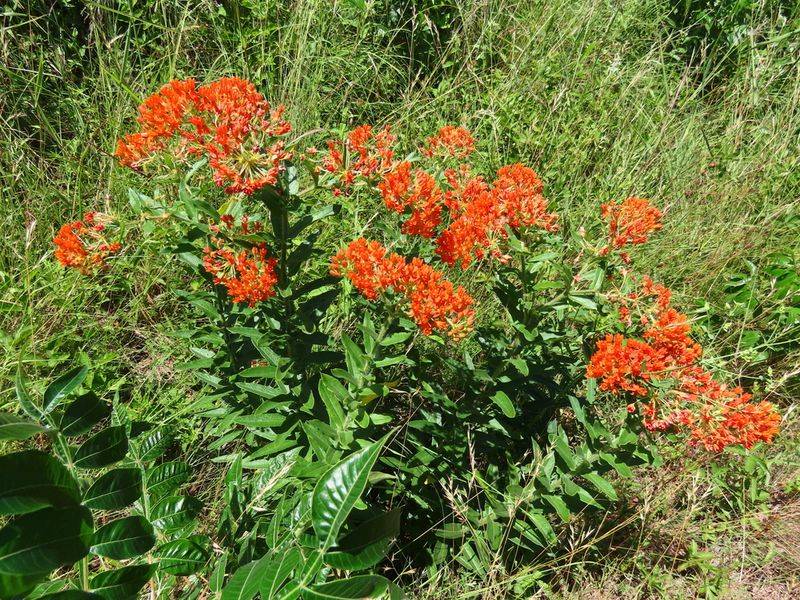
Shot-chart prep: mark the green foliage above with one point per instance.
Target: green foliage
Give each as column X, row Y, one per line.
column 56, row 498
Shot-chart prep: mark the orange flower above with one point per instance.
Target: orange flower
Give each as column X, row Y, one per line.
column 711, row 414
column 83, row 245
column 455, row 142
column 247, row 274
column 423, row 197
column 519, row 193
column 433, row 302
column 369, row 267
column 228, row 121
column 630, row 223
column 515, row 199
column 368, row 155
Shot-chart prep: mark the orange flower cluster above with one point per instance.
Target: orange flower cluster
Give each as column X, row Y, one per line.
column 449, row 141
column 630, row 222
column 432, row 301
column 248, row 274
column 365, row 155
column 228, row 121
column 712, row 414
column 481, row 213
column 83, row 245
column 422, row 195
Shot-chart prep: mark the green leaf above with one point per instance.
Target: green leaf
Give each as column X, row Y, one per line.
column 24, row 398
column 62, row 387
column 44, row 540
column 18, row 586
column 244, row 583
column 277, row 572
column 154, row 444
column 559, row 505
column 183, row 556
column 83, row 413
column 32, row 480
column 13, row 427
column 124, row 538
column 361, row 586
column 333, row 395
column 502, row 400
column 167, row 477
column 217, row 577
column 562, row 448
column 367, row 544
column 102, row 449
column 355, row 359
column 114, row 490
column 175, row 512
column 338, row 490
column 122, row 584
column 602, row 485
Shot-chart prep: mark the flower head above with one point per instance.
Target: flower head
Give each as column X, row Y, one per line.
column 710, row 413
column 450, row 141
column 630, row 222
column 248, row 274
column 84, row 245
column 432, row 301
column 228, row 121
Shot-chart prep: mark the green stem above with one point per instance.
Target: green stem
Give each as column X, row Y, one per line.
column 85, row 573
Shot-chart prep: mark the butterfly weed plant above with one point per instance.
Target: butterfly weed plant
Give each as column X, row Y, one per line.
column 449, row 356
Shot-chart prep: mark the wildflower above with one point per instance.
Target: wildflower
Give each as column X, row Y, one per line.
column 83, row 245
column 369, row 266
column 630, row 223
column 710, row 413
column 432, row 301
column 423, row 196
column 515, row 199
column 364, row 155
column 228, row 121
column 455, row 142
column 519, row 193
column 248, row 274
column 621, row 365
column 435, row 303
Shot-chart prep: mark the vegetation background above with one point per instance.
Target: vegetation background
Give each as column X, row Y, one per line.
column 693, row 103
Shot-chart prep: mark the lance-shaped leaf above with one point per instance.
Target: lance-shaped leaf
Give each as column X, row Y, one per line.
column 124, row 538
column 334, row 395
column 277, row 572
column 366, row 544
column 102, row 449
column 114, row 490
column 338, row 490
column 24, row 397
column 154, row 444
column 83, row 413
column 122, row 584
column 13, row 427
column 167, row 477
column 63, row 387
column 42, row 541
column 183, row 556
column 32, row 480
column 175, row 512
column 362, row 586
column 244, row 583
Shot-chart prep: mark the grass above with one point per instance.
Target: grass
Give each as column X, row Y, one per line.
column 594, row 94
